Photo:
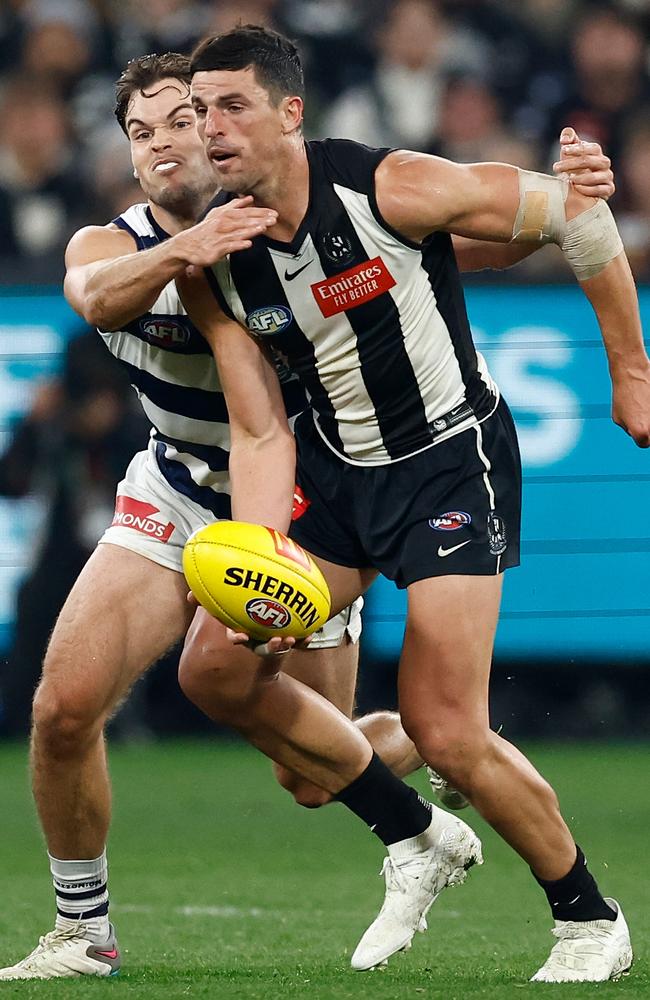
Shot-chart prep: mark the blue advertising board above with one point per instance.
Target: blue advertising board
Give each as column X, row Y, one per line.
column 583, row 588
column 33, row 330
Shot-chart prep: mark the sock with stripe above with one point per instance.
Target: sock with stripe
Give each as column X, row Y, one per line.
column 393, row 810
column 576, row 896
column 81, row 890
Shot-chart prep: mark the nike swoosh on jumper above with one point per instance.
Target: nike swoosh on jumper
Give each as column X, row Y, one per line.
column 290, row 277
column 447, row 552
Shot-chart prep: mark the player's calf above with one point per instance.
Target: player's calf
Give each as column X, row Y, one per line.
column 304, row 792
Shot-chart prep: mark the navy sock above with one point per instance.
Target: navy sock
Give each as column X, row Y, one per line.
column 576, row 896
column 393, row 810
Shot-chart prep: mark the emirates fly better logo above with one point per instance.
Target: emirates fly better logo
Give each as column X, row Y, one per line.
column 353, row 287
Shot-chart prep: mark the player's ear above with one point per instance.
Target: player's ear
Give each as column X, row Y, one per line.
column 291, row 112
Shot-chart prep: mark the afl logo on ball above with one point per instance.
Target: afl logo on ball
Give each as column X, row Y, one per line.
column 262, row 611
column 451, row 521
column 268, row 320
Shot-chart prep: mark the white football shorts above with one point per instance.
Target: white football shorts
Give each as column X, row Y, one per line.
column 154, row 520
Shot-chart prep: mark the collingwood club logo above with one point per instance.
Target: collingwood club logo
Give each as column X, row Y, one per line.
column 337, row 248
column 496, row 530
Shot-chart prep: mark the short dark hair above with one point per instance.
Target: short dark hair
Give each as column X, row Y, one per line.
column 274, row 58
column 145, row 72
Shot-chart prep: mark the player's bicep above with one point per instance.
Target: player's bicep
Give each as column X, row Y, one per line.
column 88, row 250
column 250, row 384
column 419, row 194
column 247, row 376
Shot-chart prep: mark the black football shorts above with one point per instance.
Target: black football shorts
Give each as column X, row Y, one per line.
column 453, row 509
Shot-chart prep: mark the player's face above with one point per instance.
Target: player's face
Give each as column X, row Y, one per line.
column 245, row 133
column 166, row 148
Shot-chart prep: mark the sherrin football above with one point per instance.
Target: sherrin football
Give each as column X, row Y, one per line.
column 256, row 580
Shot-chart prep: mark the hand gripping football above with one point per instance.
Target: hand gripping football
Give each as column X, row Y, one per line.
column 256, row 580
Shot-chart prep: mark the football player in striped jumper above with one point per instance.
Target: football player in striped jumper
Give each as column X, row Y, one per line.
column 408, row 455
column 129, row 604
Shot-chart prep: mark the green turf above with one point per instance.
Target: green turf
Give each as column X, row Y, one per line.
column 223, row 888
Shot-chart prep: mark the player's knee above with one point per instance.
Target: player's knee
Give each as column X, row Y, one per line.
column 208, row 675
column 64, row 722
column 304, row 793
column 453, row 747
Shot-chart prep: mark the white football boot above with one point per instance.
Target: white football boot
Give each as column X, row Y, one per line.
column 446, row 795
column 413, row 883
column 65, row 954
column 589, row 951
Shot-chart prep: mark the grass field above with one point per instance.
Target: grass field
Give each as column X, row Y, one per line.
column 223, row 888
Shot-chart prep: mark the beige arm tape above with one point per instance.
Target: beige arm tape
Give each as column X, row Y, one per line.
column 592, row 241
column 589, row 241
column 541, row 217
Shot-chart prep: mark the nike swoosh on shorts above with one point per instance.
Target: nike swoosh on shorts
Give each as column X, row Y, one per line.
column 447, row 552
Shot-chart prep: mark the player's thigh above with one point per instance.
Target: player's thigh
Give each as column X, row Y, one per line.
column 345, row 583
column 122, row 614
column 446, row 657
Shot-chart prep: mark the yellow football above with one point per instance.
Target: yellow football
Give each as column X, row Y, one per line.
column 256, row 580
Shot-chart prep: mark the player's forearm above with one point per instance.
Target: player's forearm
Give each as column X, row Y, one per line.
column 263, row 475
column 613, row 297
column 118, row 290
column 612, row 294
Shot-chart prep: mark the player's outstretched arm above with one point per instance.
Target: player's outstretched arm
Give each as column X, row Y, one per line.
column 262, row 456
column 418, row 194
column 110, row 283
column 582, row 163
column 612, row 294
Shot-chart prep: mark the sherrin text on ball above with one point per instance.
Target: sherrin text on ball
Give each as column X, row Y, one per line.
column 256, row 580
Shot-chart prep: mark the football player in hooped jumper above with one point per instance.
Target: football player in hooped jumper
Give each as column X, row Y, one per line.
column 120, row 278
column 405, row 427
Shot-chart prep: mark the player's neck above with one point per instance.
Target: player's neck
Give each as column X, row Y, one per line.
column 287, row 191
column 177, row 222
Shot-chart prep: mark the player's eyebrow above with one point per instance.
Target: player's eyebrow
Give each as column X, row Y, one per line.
column 185, row 106
column 223, row 98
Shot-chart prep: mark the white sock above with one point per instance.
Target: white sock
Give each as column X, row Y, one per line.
column 423, row 841
column 82, row 895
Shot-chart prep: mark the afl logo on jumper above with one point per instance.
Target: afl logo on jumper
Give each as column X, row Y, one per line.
column 262, row 611
column 165, row 332
column 353, row 287
column 268, row 320
column 451, row 521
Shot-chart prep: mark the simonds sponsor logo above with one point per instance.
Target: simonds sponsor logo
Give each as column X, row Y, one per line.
column 353, row 287
column 136, row 514
column 271, row 586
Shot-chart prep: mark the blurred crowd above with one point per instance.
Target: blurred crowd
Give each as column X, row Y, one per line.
column 467, row 79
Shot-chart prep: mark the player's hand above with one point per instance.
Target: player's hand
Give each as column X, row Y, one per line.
column 224, row 230
column 272, row 647
column 585, row 165
column 631, row 403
